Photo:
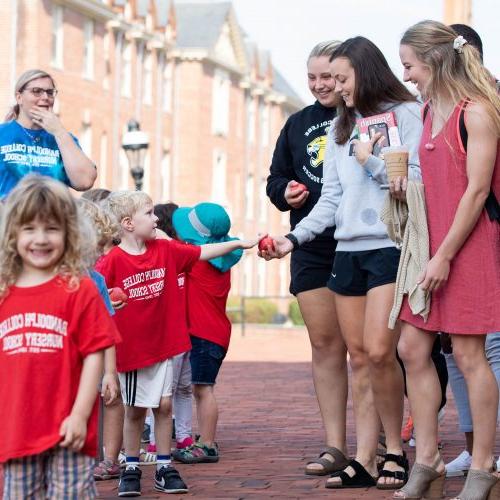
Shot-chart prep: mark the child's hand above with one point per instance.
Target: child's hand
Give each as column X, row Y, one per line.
column 73, row 431
column 117, row 304
column 110, row 388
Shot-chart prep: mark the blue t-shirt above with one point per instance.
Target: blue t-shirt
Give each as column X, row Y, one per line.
column 24, row 151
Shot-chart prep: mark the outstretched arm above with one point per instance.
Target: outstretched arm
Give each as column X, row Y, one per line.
column 214, row 250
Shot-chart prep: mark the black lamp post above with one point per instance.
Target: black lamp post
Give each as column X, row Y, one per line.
column 135, row 143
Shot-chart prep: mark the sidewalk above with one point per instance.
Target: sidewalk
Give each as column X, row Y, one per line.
column 269, row 426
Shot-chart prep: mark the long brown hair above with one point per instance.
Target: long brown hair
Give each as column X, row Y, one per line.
column 36, row 196
column 457, row 74
column 375, row 84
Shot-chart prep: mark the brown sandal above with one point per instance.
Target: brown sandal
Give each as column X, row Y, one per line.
column 480, row 485
column 339, row 462
column 424, row 483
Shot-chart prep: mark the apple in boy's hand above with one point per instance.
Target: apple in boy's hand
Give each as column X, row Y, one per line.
column 300, row 186
column 116, row 294
column 266, row 243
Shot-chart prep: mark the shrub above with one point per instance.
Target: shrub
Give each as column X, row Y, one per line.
column 257, row 310
column 294, row 313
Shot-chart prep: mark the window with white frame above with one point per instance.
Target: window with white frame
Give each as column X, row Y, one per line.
column 220, row 102
column 147, row 92
column 264, row 124
column 86, row 139
column 57, row 35
column 146, row 180
column 263, row 201
column 283, row 277
column 249, row 197
column 168, row 71
column 106, row 42
column 251, row 119
column 261, row 275
column 126, row 76
column 165, row 176
column 102, row 168
column 248, row 270
column 219, row 177
column 123, row 181
column 88, row 48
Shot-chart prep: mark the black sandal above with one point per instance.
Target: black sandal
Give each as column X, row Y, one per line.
column 361, row 478
column 400, row 476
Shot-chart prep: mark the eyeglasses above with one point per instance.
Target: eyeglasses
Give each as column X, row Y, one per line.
column 38, row 91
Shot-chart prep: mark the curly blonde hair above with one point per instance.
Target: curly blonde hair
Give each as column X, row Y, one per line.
column 455, row 74
column 39, row 197
column 104, row 225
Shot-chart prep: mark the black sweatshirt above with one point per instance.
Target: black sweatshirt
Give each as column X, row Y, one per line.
column 299, row 156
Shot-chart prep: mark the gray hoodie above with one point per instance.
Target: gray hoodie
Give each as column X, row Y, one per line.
column 351, row 198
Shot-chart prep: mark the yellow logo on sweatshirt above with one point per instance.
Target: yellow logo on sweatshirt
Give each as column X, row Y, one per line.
column 316, row 150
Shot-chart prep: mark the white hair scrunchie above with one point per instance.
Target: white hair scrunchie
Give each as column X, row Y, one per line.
column 458, row 43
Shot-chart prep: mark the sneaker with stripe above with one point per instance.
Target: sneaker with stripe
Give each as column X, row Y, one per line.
column 168, row 480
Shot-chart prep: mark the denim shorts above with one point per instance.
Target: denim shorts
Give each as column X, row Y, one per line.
column 206, row 359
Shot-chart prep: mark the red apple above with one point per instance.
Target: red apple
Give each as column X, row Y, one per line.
column 116, row 294
column 302, row 187
column 266, row 243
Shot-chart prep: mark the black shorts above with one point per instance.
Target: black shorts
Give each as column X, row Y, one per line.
column 310, row 268
column 354, row 273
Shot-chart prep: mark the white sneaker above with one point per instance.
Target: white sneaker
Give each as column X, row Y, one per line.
column 460, row 465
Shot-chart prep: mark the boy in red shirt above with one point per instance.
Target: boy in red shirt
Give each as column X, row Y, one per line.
column 54, row 328
column 152, row 328
column 207, row 289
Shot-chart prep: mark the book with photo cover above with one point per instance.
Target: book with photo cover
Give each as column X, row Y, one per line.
column 385, row 123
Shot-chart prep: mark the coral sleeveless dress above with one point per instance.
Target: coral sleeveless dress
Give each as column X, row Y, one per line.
column 469, row 302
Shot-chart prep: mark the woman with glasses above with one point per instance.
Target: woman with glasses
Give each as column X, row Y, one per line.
column 33, row 139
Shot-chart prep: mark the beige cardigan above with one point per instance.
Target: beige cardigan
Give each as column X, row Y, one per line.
column 407, row 227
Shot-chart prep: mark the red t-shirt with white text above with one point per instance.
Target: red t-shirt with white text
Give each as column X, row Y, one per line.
column 46, row 331
column 153, row 323
column 206, row 297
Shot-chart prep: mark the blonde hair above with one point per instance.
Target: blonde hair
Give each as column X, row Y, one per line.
column 22, row 81
column 326, row 48
column 104, row 226
column 123, row 204
column 457, row 74
column 36, row 196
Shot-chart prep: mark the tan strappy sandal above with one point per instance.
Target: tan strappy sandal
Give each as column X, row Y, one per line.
column 480, row 485
column 424, row 483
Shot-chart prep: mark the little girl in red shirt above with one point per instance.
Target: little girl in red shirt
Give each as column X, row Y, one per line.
column 54, row 328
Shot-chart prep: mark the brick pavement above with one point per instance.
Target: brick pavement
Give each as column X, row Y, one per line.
column 270, row 426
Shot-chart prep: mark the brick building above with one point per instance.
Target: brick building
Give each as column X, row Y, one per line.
column 210, row 100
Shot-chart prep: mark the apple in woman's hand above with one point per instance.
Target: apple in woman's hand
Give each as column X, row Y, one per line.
column 266, row 243
column 116, row 294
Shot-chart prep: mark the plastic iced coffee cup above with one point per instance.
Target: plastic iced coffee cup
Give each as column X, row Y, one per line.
column 396, row 161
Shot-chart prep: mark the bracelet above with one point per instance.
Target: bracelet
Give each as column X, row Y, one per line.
column 293, row 239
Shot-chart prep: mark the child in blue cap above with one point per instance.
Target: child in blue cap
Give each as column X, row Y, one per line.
column 207, row 288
